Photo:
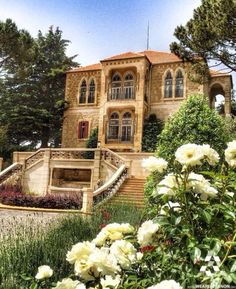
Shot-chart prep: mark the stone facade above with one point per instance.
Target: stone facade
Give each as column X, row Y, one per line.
column 117, row 94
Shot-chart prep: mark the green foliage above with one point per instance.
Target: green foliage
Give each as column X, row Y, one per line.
column 32, row 103
column 92, row 142
column 194, row 122
column 34, row 242
column 230, row 126
column 151, row 130
column 210, row 34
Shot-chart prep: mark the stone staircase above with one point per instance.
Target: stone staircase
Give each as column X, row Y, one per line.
column 131, row 192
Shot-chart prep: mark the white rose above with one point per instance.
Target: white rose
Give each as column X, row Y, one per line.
column 124, row 252
column 152, row 164
column 170, row 205
column 146, row 232
column 167, row 186
column 80, row 251
column 166, row 284
column 44, row 271
column 109, row 282
column 68, row 283
column 189, row 154
column 230, row 154
column 210, row 154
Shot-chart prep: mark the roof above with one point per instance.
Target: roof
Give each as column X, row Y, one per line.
column 96, row 66
column 215, row 73
column 155, row 57
column 124, row 56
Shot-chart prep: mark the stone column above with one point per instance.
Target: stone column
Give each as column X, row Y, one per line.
column 46, row 164
column 96, row 169
column 1, row 163
column 87, row 201
column 227, row 102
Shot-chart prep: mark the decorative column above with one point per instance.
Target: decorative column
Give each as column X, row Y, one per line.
column 227, row 102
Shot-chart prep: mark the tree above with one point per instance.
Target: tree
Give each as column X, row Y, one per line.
column 32, row 107
column 151, row 129
column 210, row 34
column 195, row 123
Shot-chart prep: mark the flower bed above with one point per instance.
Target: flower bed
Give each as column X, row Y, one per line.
column 14, row 197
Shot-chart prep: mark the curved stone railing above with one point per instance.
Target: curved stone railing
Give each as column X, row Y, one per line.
column 11, row 174
column 111, row 187
column 112, row 158
column 38, row 155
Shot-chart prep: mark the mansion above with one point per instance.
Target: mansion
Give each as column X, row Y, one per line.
column 119, row 93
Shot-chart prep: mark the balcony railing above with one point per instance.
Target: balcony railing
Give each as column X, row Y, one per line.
column 120, row 96
column 120, row 139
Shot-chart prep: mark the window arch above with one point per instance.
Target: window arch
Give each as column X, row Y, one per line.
column 179, row 84
column 116, row 86
column 83, row 127
column 91, row 95
column 114, row 126
column 83, row 89
column 129, row 86
column 168, row 85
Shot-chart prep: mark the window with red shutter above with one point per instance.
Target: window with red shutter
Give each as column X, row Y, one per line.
column 83, row 129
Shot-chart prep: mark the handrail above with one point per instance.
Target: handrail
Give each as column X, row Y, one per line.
column 114, row 158
column 111, row 187
column 6, row 173
column 38, row 155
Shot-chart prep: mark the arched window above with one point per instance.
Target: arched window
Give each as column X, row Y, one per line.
column 91, row 96
column 179, row 84
column 129, row 86
column 114, row 126
column 82, row 95
column 168, row 85
column 116, row 87
column 126, row 127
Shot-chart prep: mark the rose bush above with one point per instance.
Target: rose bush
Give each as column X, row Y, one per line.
column 189, row 240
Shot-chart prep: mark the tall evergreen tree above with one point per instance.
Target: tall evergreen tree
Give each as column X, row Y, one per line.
column 210, row 34
column 32, row 103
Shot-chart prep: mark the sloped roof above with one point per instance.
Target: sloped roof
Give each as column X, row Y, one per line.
column 215, row 73
column 157, row 57
column 96, row 66
column 124, row 56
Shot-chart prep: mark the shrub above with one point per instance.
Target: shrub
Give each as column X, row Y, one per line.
column 92, row 142
column 65, row 201
column 196, row 123
column 151, row 130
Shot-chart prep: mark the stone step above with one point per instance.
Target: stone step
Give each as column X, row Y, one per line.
column 128, row 193
column 136, row 204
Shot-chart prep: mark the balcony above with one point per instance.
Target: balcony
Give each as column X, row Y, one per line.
column 128, row 139
column 121, row 95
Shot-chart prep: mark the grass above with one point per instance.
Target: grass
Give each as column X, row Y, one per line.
column 28, row 245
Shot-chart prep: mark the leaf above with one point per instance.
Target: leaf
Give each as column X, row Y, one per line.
column 195, row 255
column 233, row 267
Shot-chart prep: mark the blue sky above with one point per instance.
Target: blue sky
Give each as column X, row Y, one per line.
column 102, row 28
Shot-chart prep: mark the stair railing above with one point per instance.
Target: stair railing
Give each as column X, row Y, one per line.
column 38, row 155
column 110, row 188
column 12, row 172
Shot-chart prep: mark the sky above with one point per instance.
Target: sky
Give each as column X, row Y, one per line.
column 101, row 28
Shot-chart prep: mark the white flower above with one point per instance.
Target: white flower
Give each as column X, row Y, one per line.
column 68, row 283
column 99, row 262
column 44, row 271
column 201, row 186
column 146, row 233
column 80, row 251
column 124, row 252
column 113, row 232
column 166, row 284
column 109, row 282
column 210, row 154
column 189, row 154
column 154, row 164
column 230, row 154
column 168, row 185
column 170, row 205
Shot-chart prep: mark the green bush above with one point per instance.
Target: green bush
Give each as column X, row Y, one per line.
column 91, row 143
column 196, row 123
column 151, row 130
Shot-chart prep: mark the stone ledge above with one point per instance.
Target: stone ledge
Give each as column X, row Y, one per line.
column 42, row 210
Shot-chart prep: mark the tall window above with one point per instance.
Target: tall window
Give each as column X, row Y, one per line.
column 126, row 127
column 179, row 84
column 114, row 126
column 82, row 95
column 116, row 87
column 129, row 86
column 168, row 85
column 83, row 129
column 91, row 96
